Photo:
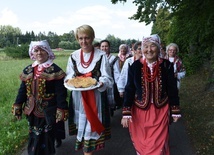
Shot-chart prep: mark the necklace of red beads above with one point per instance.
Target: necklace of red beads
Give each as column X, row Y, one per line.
column 83, row 63
column 147, row 74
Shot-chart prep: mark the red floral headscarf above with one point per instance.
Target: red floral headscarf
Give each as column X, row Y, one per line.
column 43, row 45
column 153, row 38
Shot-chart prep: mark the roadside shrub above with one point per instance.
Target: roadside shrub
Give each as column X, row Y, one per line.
column 18, row 51
column 69, row 45
column 192, row 63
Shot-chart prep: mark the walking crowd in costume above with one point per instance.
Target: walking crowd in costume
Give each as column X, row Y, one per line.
column 143, row 84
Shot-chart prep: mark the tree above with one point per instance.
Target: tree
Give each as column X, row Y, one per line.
column 115, row 43
column 147, row 9
column 191, row 27
column 162, row 24
column 53, row 39
column 8, row 35
column 68, row 37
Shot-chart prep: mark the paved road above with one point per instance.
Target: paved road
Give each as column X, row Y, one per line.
column 120, row 143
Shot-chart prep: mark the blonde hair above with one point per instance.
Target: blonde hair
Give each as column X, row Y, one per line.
column 87, row 29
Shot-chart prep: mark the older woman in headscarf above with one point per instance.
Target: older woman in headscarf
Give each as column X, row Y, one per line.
column 150, row 99
column 172, row 55
column 42, row 98
column 137, row 54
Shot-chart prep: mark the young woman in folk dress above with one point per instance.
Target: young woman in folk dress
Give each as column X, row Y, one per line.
column 113, row 94
column 89, row 112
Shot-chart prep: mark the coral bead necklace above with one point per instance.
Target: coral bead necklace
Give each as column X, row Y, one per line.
column 149, row 77
column 83, row 63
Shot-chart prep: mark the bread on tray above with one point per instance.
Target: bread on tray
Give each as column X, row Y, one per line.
column 82, row 82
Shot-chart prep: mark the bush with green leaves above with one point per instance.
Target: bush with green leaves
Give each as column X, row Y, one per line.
column 17, row 51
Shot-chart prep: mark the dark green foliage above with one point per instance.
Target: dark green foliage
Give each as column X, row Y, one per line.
column 192, row 29
column 69, row 45
column 162, row 24
column 192, row 63
column 116, row 42
column 18, row 51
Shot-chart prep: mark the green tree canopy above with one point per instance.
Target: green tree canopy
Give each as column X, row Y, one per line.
column 190, row 25
column 9, row 35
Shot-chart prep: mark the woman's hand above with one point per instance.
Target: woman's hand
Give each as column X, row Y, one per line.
column 18, row 117
column 125, row 122
column 175, row 119
column 121, row 94
column 101, row 84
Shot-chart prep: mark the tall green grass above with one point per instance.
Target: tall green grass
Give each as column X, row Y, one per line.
column 14, row 133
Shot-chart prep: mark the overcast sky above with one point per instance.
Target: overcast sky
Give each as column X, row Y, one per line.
column 62, row 16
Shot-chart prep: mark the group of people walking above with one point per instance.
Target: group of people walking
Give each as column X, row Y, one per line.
column 143, row 83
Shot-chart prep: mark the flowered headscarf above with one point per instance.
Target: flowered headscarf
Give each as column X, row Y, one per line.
column 154, row 39
column 34, row 45
column 43, row 45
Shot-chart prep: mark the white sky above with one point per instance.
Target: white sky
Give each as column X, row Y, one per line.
column 62, row 16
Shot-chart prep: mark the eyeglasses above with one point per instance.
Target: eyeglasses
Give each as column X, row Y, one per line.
column 172, row 50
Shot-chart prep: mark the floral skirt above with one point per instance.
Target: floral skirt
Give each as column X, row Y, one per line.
column 41, row 137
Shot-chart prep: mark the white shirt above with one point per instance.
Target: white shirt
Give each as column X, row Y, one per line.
column 116, row 67
column 80, row 119
column 124, row 74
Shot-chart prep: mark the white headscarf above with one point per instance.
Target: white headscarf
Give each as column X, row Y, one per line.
column 154, row 39
column 45, row 46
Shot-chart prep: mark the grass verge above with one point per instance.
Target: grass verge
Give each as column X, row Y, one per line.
column 14, row 133
column 198, row 107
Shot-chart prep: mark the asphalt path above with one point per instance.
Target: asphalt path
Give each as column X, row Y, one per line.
column 120, row 143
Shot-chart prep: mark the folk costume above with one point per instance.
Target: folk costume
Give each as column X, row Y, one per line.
column 113, row 94
column 124, row 74
column 89, row 117
column 179, row 68
column 137, row 54
column 42, row 98
column 122, row 57
column 151, row 95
